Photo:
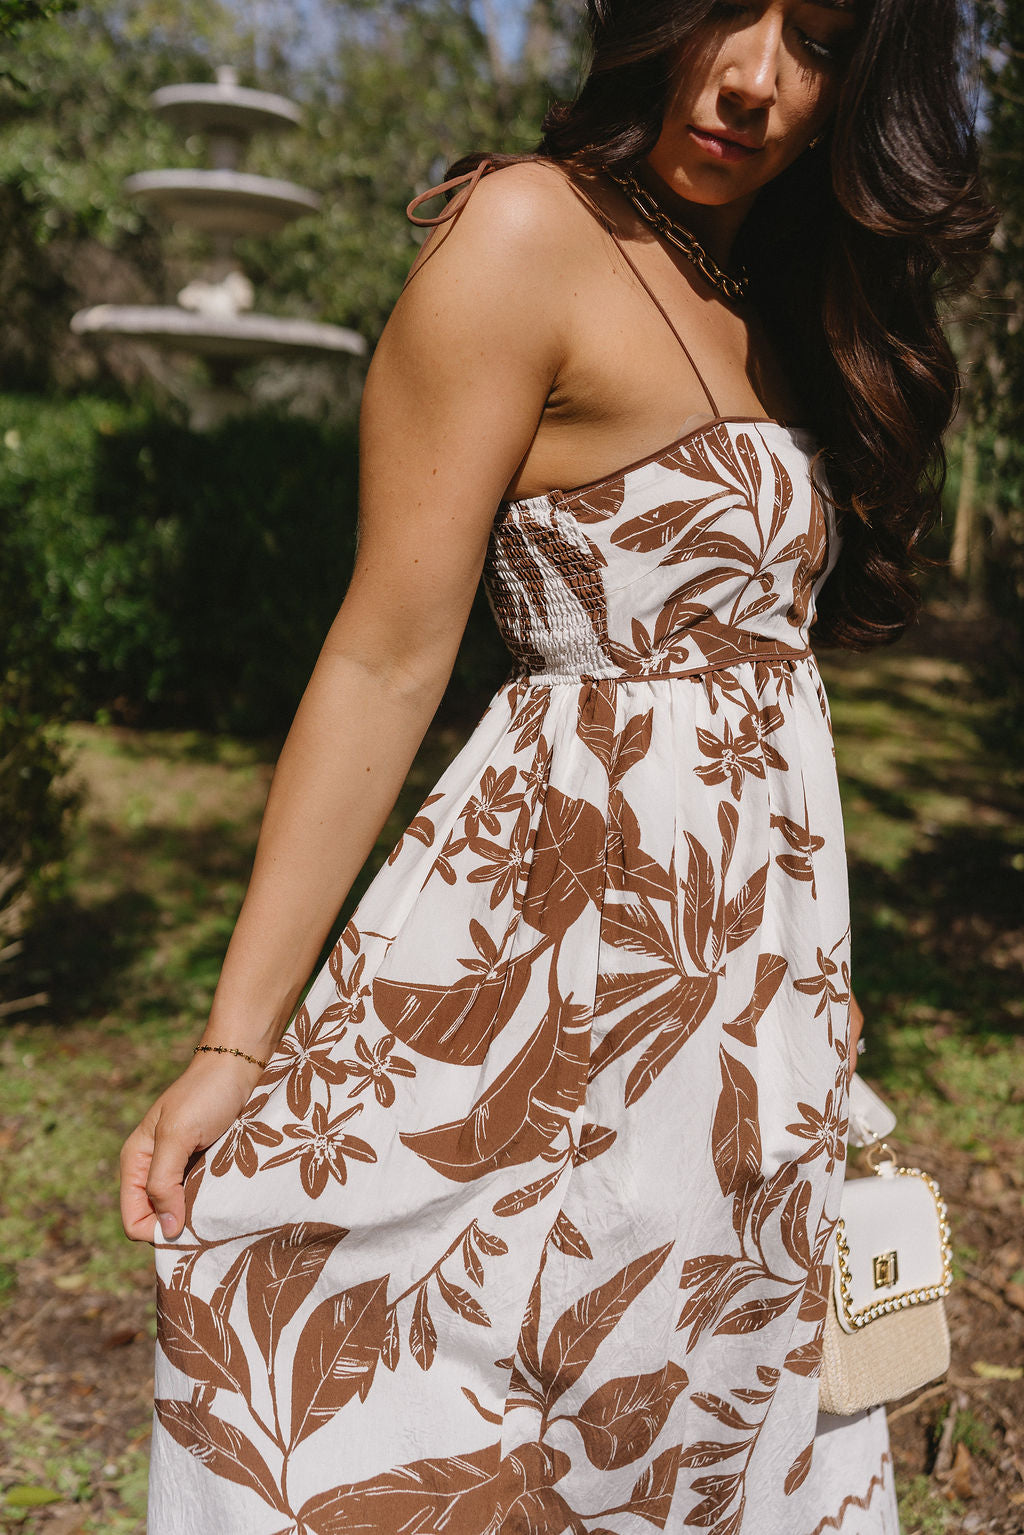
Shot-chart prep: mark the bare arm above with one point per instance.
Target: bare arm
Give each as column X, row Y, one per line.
column 452, row 401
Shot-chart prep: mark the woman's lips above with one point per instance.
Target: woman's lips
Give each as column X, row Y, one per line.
column 721, row 148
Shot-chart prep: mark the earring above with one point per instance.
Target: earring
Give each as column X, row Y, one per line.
column 816, row 140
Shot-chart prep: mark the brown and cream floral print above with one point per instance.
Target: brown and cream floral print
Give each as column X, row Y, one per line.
column 527, row 1226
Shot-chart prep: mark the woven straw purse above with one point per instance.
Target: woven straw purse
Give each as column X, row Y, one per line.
column 885, row 1328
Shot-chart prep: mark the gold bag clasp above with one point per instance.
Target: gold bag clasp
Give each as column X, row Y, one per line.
column 886, row 1269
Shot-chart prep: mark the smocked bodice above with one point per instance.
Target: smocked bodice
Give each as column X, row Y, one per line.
column 703, row 555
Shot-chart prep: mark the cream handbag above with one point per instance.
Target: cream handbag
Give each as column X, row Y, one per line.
column 885, row 1327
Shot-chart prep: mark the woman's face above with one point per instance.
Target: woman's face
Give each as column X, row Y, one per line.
column 754, row 88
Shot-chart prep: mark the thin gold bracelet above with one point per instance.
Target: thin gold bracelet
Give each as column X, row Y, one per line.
column 230, row 1050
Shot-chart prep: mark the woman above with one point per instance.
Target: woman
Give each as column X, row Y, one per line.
column 526, row 1226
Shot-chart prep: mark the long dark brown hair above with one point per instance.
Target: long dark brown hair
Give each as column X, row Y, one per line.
column 851, row 250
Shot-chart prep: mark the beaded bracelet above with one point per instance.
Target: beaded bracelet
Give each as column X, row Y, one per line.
column 229, row 1050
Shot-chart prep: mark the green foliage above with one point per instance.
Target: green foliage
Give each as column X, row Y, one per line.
column 995, row 352
column 15, row 14
column 33, row 806
column 184, row 576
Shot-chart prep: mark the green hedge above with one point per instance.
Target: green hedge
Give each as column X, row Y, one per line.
column 34, row 806
column 190, row 578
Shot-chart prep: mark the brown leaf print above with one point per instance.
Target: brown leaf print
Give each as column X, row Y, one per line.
column 422, row 1332
column 391, row 1347
column 199, row 1342
column 595, row 723
column 708, row 1452
column 797, row 1473
column 531, row 1194
column 718, row 1492
column 594, row 1139
column 692, row 1002
column 448, row 1494
column 794, row 1224
column 629, row 867
column 699, row 901
column 771, row 970
column 599, row 502
column 283, row 1268
column 744, row 912
column 805, row 1360
column 461, row 1302
column 580, row 1331
column 567, row 864
column 336, row 1355
column 755, row 1314
column 632, row 745
column 651, row 1498
column 712, row 1294
column 735, row 1136
column 528, row 717
column 420, row 829
column 524, row 1108
column 659, row 526
column 221, row 1447
column 636, row 926
column 621, row 1420
column 679, row 1010
column 721, row 1409
column 454, row 1023
column 567, row 1238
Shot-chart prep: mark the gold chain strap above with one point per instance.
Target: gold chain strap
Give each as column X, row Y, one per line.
column 734, row 288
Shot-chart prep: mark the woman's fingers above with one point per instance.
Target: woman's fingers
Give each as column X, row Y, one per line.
column 152, row 1173
column 172, row 1148
column 137, row 1214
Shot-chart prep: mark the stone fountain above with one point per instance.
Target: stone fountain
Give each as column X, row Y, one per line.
column 213, row 315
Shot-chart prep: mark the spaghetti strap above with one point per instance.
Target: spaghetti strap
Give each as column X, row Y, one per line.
column 469, row 180
column 603, row 219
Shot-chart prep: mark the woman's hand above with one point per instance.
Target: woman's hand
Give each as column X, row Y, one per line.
column 189, row 1116
column 856, row 1025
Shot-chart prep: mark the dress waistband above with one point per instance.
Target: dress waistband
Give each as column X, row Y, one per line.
column 772, row 659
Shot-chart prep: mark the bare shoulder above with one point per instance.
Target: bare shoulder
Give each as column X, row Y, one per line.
column 522, row 223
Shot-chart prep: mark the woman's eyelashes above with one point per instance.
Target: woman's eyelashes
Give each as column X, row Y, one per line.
column 824, row 50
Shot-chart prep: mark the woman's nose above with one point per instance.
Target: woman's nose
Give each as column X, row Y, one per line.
column 750, row 75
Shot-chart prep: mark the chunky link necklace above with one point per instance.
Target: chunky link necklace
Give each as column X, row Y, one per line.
column 734, row 288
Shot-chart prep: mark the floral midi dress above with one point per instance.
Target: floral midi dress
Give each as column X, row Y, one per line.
column 527, row 1227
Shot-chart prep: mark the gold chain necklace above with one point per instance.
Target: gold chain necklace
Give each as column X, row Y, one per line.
column 734, row 288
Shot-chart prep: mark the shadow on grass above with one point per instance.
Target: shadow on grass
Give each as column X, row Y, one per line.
column 942, row 936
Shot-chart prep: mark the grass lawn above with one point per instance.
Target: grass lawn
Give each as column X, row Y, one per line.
column 162, row 850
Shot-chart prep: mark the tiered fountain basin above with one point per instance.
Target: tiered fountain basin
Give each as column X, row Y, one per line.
column 245, row 337
column 223, row 202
